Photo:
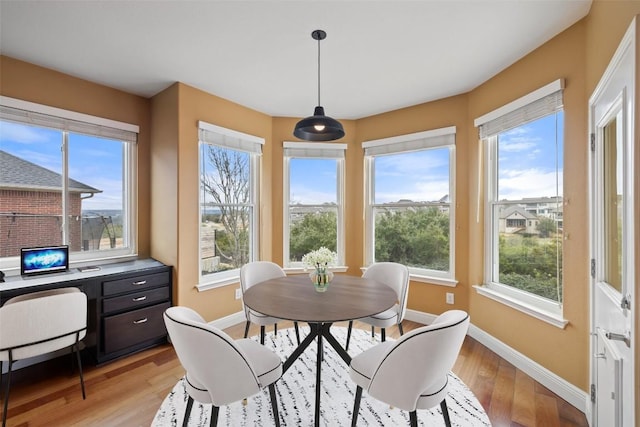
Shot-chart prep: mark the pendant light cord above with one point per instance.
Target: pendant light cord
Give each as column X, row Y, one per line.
column 319, row 72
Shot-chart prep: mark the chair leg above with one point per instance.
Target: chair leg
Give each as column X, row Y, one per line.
column 187, row 412
column 275, row 329
column 6, row 394
column 214, row 416
column 383, row 334
column 373, row 332
column 349, row 335
column 413, row 419
column 246, row 329
column 356, row 406
column 400, row 328
column 445, row 413
column 295, row 325
column 274, row 404
column 77, row 348
column 262, row 335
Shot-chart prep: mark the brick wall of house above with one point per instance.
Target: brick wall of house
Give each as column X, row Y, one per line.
column 33, row 218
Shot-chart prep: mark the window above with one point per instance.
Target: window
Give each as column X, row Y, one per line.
column 409, row 200
column 313, row 178
column 228, row 203
column 523, row 230
column 65, row 178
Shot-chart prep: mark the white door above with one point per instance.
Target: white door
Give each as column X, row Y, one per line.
column 613, row 300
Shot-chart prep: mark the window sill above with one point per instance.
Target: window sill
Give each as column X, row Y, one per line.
column 440, row 281
column 218, row 283
column 302, row 270
column 554, row 319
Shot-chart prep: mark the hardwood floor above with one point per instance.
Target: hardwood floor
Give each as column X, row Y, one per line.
column 128, row 392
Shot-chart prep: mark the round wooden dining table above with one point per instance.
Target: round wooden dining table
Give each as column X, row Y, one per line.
column 295, row 298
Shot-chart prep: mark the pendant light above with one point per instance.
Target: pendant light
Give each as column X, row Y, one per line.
column 318, row 127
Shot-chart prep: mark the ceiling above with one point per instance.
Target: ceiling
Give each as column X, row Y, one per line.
column 378, row 55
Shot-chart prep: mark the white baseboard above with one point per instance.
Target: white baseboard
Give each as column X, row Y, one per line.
column 572, row 394
column 228, row 321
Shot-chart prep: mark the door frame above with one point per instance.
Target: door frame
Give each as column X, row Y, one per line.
column 629, row 41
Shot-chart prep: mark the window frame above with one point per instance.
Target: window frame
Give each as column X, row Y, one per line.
column 433, row 139
column 238, row 141
column 526, row 302
column 317, row 150
column 66, row 121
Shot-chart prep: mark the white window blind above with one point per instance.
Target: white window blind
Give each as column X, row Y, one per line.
column 68, row 124
column 316, row 150
column 216, row 135
column 411, row 142
column 535, row 105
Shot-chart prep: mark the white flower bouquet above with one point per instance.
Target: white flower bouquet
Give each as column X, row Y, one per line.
column 320, row 258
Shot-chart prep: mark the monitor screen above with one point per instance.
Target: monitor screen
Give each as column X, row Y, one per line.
column 42, row 260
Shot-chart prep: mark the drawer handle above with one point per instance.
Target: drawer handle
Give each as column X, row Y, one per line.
column 137, row 322
column 141, row 282
column 139, row 299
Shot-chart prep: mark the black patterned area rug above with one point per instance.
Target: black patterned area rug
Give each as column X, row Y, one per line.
column 296, row 394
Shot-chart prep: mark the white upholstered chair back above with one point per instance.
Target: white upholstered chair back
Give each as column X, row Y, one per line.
column 41, row 316
column 214, row 363
column 417, row 364
column 256, row 272
column 394, row 275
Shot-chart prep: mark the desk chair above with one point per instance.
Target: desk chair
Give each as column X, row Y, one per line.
column 220, row 370
column 39, row 323
column 412, row 372
column 256, row 272
column 396, row 276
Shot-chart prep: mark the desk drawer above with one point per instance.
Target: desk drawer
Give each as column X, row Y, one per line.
column 135, row 300
column 136, row 283
column 131, row 328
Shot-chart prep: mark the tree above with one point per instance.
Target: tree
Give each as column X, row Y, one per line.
column 228, row 184
column 546, row 227
column 314, row 230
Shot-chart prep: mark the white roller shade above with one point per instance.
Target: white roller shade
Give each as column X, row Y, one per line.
column 537, row 104
column 316, row 150
column 216, row 135
column 411, row 142
column 68, row 121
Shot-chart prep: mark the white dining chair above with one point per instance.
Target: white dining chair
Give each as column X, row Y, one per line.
column 412, row 372
column 39, row 323
column 251, row 274
column 396, row 276
column 218, row 369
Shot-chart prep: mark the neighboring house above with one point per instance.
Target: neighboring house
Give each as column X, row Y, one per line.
column 31, row 207
column 516, row 219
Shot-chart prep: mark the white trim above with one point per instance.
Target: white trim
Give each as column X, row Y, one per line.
column 439, row 281
column 520, row 102
column 517, row 304
column 572, row 394
column 229, row 321
column 67, row 114
column 226, row 281
column 301, row 270
column 451, row 130
column 569, row 392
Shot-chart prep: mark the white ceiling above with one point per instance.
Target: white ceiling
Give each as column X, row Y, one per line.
column 378, row 55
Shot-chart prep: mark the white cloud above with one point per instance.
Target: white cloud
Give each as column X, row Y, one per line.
column 424, row 191
column 22, row 134
column 518, row 184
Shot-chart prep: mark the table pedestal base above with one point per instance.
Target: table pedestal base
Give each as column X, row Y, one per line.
column 320, row 331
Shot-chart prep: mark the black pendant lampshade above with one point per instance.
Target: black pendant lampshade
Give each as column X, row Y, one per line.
column 318, row 127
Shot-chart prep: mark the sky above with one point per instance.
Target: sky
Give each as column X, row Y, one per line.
column 525, row 169
column 93, row 161
column 527, row 160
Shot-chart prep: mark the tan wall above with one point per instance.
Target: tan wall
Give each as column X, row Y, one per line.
column 31, row 83
column 177, row 111
column 433, row 115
